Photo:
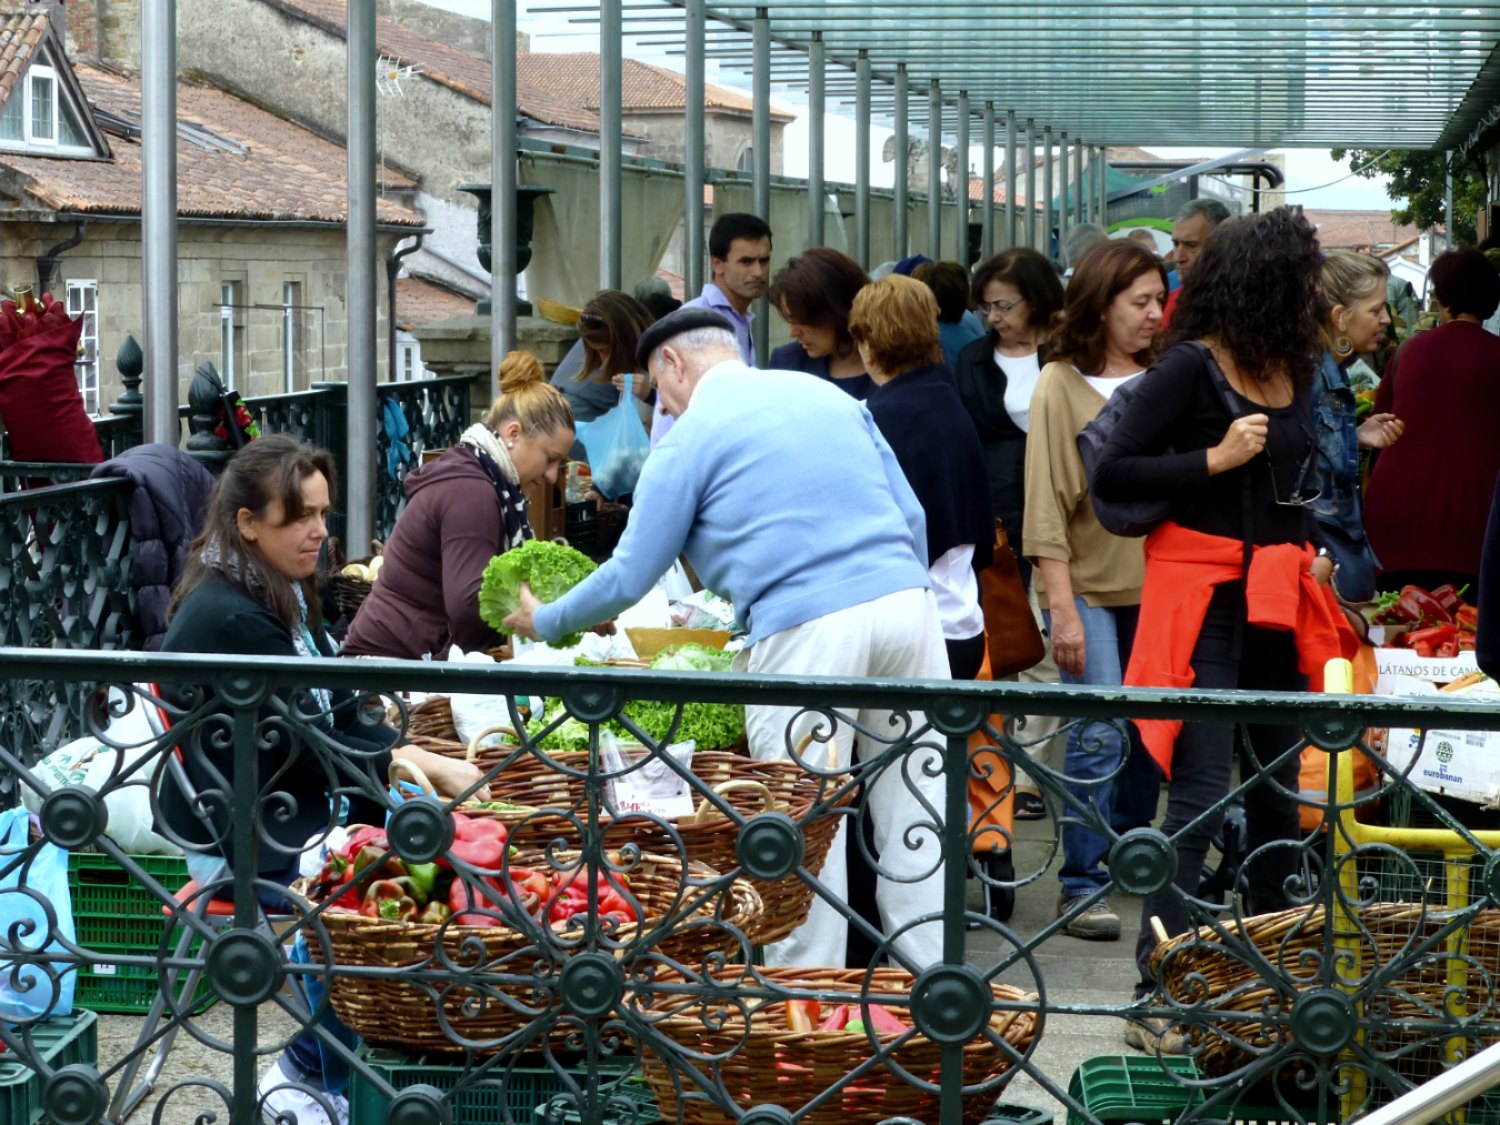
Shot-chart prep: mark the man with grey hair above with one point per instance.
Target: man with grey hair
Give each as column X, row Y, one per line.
column 828, row 577
column 1079, row 239
column 1190, row 231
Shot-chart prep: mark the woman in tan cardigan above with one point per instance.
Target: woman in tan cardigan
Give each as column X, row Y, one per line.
column 1089, row 581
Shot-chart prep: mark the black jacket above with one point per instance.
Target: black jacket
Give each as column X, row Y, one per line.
column 220, row 618
column 981, row 387
column 166, row 515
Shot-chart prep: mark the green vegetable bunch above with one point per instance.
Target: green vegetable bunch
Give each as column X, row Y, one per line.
column 693, row 658
column 550, row 569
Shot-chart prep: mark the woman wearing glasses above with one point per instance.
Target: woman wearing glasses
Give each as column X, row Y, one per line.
column 1235, row 595
column 610, row 327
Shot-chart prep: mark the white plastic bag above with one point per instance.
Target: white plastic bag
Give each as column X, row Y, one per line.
column 475, row 714
column 88, row 761
column 652, row 789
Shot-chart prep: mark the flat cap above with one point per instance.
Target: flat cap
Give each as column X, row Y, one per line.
column 675, row 324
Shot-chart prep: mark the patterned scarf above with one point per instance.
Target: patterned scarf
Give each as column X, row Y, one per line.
column 494, row 458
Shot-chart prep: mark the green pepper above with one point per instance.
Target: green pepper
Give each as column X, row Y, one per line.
column 422, row 878
column 389, row 900
column 435, row 913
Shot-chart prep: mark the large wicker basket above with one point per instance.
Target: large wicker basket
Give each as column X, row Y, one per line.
column 1202, row 968
column 758, row 1060
column 545, row 786
column 683, row 922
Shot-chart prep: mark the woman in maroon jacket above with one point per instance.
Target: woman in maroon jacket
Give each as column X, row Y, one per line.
column 461, row 511
column 1430, row 494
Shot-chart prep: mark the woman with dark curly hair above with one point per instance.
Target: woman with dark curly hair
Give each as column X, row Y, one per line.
column 1430, row 496
column 814, row 294
column 1235, row 596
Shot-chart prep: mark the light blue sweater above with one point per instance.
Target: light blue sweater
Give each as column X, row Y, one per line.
column 783, row 495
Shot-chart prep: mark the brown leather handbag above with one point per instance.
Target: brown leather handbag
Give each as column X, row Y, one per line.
column 1010, row 633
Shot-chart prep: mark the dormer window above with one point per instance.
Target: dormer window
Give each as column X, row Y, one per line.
column 40, row 117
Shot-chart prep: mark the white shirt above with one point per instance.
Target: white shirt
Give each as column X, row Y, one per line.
column 956, row 588
column 1021, row 374
column 1106, row 385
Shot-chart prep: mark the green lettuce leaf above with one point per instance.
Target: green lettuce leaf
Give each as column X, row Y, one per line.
column 550, row 569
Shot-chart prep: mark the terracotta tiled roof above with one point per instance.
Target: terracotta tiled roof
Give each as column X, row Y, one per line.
column 574, row 78
column 20, row 32
column 287, row 173
column 1357, row 230
column 976, row 190
column 419, row 302
column 447, row 65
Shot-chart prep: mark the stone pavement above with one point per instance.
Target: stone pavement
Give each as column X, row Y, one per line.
column 1076, row 972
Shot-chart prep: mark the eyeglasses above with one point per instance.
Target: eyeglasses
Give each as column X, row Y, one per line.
column 1299, row 497
column 987, row 307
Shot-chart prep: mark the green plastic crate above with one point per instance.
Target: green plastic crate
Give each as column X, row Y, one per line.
column 1005, row 1113
column 514, row 1093
column 112, row 913
column 62, row 1042
column 1134, row 1088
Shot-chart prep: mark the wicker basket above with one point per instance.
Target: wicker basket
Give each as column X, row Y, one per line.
column 395, row 1012
column 545, row 786
column 350, row 592
column 1201, row 968
column 766, row 1063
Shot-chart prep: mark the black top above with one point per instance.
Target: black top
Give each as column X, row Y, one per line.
column 1158, row 449
column 792, row 357
column 220, row 618
column 921, row 417
column 981, row 386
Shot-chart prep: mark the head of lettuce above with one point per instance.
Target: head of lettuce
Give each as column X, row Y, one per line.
column 549, row 569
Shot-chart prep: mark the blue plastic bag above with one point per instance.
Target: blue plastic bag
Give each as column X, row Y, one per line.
column 616, row 443
column 32, row 990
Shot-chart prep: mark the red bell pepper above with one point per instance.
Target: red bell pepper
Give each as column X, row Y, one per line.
column 389, row 901
column 1467, row 617
column 335, row 882
column 1466, row 642
column 1420, row 606
column 464, row 900
column 1433, row 637
column 362, row 836
column 1447, row 650
column 1448, row 597
column 478, row 841
column 525, row 881
column 802, row 1015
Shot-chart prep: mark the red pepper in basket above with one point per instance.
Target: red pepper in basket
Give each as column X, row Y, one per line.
column 478, row 841
column 435, row 913
column 1467, row 617
column 1449, row 597
column 463, row 899
column 1446, row 651
column 389, row 901
column 525, row 881
column 1432, row 638
column 1420, row 606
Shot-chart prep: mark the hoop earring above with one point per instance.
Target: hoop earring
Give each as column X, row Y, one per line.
column 1343, row 346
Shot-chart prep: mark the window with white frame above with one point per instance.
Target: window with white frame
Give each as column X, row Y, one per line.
column 231, row 332
column 83, row 302
column 39, row 114
column 408, row 359
column 291, row 334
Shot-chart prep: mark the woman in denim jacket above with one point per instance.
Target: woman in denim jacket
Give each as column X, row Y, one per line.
column 1353, row 313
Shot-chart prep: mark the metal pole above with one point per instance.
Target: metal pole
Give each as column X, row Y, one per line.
column 1063, row 217
column 611, row 40
column 987, row 211
column 816, row 108
column 760, row 327
column 1031, row 183
column 1086, row 183
column 1103, row 186
column 862, row 159
column 159, row 217
column 1078, row 151
column 934, row 170
column 1010, row 178
column 503, row 175
column 1047, row 190
column 961, row 243
column 361, row 349
column 902, row 162
column 1448, row 199
column 696, row 30
column 1443, row 1094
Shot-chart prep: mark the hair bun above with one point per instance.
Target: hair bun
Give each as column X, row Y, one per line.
column 520, row 369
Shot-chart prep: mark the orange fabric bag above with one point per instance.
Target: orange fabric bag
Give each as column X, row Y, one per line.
column 1313, row 778
column 991, row 795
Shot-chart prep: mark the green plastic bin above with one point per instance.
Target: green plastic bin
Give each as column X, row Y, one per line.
column 1134, row 1088
column 63, row 1041
column 509, row 1094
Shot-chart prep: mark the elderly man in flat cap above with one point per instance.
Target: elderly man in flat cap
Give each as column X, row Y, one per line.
column 779, row 489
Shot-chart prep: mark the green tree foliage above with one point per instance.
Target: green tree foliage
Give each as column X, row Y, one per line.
column 1417, row 184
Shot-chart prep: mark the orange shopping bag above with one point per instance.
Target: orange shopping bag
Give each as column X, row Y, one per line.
column 991, row 794
column 1313, row 778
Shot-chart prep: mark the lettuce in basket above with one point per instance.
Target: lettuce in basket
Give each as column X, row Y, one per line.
column 550, row 569
column 692, row 658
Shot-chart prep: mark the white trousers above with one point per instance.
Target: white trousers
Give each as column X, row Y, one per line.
column 898, row 635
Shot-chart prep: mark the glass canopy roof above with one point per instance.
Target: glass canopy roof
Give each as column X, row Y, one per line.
column 1390, row 75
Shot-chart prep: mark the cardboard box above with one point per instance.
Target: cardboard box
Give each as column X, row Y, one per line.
column 1402, row 662
column 1456, row 763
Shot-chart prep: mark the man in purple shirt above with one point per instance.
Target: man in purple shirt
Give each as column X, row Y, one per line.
column 739, row 254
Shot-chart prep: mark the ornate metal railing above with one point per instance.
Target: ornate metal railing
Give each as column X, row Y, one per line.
column 1320, row 1013
column 436, row 413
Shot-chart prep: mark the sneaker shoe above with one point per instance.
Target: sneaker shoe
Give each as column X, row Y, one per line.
column 1097, row 922
column 1156, row 1036
column 282, row 1103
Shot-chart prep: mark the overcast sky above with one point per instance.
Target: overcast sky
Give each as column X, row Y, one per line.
column 1313, row 179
